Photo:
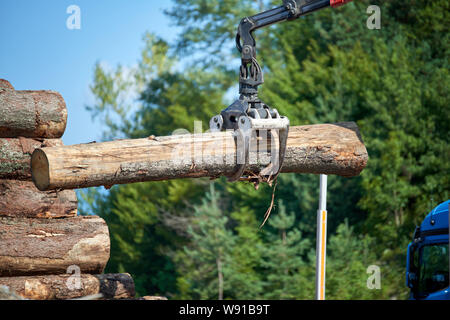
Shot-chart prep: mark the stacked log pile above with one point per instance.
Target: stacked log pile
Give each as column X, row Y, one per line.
column 46, row 250
column 41, row 237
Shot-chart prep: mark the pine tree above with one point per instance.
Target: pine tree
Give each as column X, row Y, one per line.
column 348, row 259
column 283, row 255
column 246, row 277
column 204, row 264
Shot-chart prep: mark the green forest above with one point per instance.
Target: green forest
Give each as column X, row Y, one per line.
column 200, row 238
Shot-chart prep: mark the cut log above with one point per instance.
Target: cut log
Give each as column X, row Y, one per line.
column 7, row 294
column 33, row 114
column 23, row 199
column 4, row 84
column 153, row 298
column 50, row 246
column 324, row 148
column 71, row 286
column 15, row 156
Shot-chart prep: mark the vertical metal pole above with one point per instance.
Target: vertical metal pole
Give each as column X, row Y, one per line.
column 321, row 239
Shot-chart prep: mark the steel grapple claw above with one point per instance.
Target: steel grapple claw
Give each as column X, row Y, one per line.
column 253, row 134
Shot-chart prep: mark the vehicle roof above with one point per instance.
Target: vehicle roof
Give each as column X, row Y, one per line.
column 439, row 215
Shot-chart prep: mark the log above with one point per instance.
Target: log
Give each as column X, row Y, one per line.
column 67, row 286
column 23, row 199
column 49, row 246
column 7, row 294
column 32, row 114
column 324, row 148
column 15, row 156
column 4, row 84
column 152, row 298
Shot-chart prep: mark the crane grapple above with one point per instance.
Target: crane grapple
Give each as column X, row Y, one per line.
column 249, row 116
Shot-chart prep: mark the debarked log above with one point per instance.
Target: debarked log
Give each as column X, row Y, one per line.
column 23, row 199
column 31, row 246
column 72, row 286
column 321, row 149
column 32, row 114
column 15, row 156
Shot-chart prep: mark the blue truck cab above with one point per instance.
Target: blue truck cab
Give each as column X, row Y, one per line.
column 427, row 261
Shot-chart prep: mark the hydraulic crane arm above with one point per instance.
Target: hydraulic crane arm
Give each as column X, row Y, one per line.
column 290, row 10
column 248, row 114
column 245, row 42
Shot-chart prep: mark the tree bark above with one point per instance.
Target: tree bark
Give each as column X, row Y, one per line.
column 23, row 199
column 69, row 286
column 7, row 294
column 324, row 148
column 32, row 114
column 15, row 156
column 4, row 84
column 153, row 298
column 50, row 246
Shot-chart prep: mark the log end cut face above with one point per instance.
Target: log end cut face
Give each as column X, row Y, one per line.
column 40, row 173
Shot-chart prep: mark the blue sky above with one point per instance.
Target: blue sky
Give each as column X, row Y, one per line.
column 38, row 51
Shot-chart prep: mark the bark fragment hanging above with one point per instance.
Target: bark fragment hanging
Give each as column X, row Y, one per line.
column 269, row 210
